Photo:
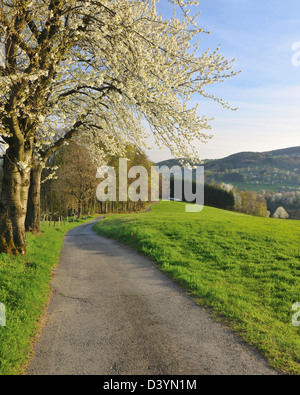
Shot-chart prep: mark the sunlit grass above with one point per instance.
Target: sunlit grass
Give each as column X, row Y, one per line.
column 246, row 269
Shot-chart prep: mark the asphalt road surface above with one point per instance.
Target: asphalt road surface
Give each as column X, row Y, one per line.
column 113, row 312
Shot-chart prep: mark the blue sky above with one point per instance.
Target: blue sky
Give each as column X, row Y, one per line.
column 259, row 35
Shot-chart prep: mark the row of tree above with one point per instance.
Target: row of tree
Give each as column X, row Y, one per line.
column 289, row 201
column 247, row 202
column 69, row 186
column 214, row 195
column 72, row 188
column 95, row 71
column 228, row 197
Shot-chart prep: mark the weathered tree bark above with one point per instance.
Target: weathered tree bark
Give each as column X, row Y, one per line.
column 13, row 201
column 32, row 222
column 33, row 215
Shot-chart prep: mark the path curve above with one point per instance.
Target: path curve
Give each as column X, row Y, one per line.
column 113, row 312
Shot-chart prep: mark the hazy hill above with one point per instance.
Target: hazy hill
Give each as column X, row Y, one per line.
column 274, row 170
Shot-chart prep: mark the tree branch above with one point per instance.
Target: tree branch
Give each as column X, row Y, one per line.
column 15, row 36
column 94, row 88
column 59, row 143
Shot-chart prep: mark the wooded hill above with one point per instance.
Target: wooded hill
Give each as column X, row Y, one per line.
column 273, row 170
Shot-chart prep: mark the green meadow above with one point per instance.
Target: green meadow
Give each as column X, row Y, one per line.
column 245, row 270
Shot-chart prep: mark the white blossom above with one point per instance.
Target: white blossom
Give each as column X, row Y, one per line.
column 110, row 68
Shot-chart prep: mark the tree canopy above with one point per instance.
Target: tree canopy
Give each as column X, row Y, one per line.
column 103, row 71
column 103, row 66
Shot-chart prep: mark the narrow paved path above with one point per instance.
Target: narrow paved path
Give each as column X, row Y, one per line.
column 114, row 313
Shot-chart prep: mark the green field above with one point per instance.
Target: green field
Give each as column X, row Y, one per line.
column 245, row 269
column 24, row 290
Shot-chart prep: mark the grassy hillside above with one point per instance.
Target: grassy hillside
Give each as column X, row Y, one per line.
column 246, row 269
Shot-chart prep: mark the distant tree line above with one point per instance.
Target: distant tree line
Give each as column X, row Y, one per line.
column 214, row 196
column 247, row 202
column 252, row 203
column 227, row 176
column 70, row 183
column 289, row 201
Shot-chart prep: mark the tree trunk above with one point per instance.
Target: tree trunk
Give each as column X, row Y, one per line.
column 32, row 222
column 13, row 202
column 79, row 210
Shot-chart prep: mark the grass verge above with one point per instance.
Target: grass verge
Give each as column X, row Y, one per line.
column 25, row 290
column 246, row 269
